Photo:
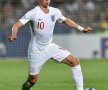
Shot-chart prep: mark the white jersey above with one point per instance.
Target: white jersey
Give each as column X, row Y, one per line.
column 42, row 26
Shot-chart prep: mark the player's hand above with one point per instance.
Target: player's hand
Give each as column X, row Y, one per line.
column 88, row 29
column 11, row 38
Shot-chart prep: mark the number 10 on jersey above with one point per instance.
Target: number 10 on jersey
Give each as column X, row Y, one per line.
column 40, row 25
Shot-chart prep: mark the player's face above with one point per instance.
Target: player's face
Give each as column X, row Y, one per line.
column 44, row 3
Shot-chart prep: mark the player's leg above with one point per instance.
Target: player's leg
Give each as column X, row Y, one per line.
column 36, row 61
column 76, row 70
column 32, row 79
column 63, row 56
column 34, row 69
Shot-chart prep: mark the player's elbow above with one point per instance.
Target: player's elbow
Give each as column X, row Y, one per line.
column 17, row 25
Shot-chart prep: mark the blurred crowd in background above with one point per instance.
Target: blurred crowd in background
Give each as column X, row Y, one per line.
column 85, row 12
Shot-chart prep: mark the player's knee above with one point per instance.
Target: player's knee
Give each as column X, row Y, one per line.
column 71, row 61
column 32, row 80
column 76, row 62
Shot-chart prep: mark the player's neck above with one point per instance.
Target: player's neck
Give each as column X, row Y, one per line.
column 44, row 9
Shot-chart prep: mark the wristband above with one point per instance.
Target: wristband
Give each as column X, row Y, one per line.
column 80, row 28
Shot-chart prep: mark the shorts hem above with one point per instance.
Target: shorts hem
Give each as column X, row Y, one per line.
column 60, row 60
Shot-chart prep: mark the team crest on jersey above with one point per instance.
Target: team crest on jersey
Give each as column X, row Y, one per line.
column 25, row 17
column 52, row 18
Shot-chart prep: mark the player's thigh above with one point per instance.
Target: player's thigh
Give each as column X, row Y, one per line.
column 71, row 61
column 60, row 53
column 63, row 56
column 36, row 62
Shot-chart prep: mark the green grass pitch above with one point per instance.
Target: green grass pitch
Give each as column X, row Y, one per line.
column 53, row 76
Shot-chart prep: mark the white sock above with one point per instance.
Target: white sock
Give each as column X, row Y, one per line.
column 78, row 77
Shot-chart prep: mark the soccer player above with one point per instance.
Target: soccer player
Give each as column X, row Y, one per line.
column 42, row 20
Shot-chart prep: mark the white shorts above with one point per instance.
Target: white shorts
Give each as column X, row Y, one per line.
column 36, row 60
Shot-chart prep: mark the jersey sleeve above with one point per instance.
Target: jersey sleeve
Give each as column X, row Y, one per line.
column 26, row 18
column 61, row 18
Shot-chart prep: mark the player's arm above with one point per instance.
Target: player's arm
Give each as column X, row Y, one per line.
column 16, row 27
column 72, row 24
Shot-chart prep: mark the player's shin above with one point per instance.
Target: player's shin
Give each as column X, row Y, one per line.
column 26, row 86
column 78, row 77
